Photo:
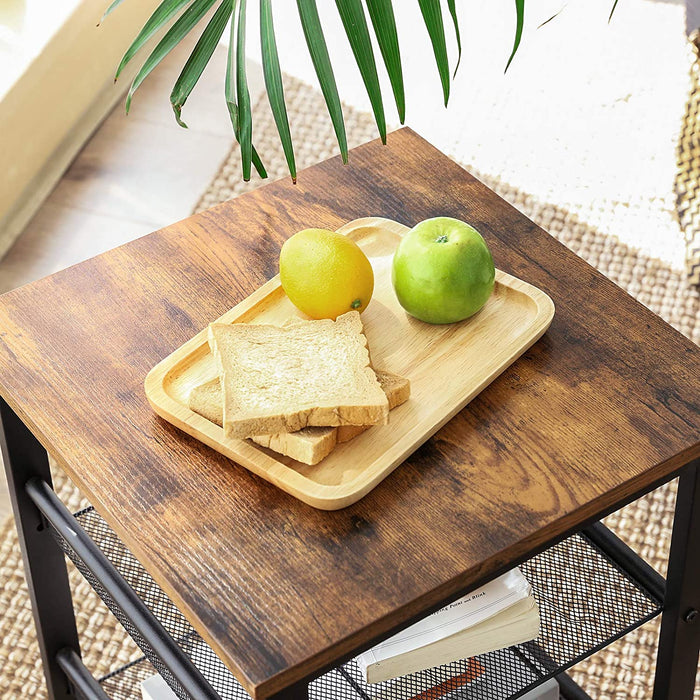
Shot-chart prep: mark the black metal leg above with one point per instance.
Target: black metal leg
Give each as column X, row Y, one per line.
column 126, row 604
column 677, row 660
column 44, row 564
column 569, row 690
column 80, row 677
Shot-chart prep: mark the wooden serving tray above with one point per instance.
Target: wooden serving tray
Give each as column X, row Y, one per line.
column 447, row 365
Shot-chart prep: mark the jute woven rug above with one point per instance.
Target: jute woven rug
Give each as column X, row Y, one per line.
column 687, row 183
column 623, row 670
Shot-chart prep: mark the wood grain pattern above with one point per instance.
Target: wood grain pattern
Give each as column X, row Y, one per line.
column 461, row 358
column 602, row 407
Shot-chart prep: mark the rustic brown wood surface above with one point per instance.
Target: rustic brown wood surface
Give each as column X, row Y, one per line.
column 460, row 358
column 603, row 406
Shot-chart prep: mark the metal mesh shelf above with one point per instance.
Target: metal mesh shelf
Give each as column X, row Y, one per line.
column 586, row 601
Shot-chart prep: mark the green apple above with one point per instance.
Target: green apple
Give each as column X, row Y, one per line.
column 442, row 271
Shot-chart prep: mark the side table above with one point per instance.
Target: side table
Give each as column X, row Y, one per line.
column 232, row 587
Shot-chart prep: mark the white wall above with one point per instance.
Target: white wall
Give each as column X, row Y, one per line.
column 56, row 85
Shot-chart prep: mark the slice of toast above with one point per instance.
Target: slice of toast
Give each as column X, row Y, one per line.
column 308, row 445
column 281, row 379
column 397, row 390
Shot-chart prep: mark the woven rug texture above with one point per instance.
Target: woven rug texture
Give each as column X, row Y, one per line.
column 687, row 183
column 624, row 669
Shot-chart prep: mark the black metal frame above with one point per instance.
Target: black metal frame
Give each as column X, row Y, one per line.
column 569, row 690
column 679, row 642
column 34, row 503
column 80, row 678
column 44, row 564
column 62, row 520
column 626, row 559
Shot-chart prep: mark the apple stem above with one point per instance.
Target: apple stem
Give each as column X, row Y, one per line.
column 441, row 239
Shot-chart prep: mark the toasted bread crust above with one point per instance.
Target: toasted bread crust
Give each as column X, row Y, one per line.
column 308, row 445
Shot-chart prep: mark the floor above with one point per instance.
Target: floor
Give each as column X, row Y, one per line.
column 136, row 174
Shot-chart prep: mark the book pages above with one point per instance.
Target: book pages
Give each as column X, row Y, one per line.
column 477, row 606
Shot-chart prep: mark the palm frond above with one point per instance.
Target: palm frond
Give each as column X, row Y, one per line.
column 230, row 81
column 355, row 23
column 273, row 84
column 258, row 164
column 198, row 59
column 432, row 16
column 519, row 23
column 381, row 12
column 318, row 50
column 245, row 124
column 160, row 17
column 455, row 22
column 172, row 38
column 547, row 21
column 113, row 6
column 185, row 14
column 230, row 91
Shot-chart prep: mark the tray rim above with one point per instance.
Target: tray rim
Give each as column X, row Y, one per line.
column 253, row 457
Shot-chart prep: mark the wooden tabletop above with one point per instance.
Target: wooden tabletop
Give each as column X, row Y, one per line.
column 601, row 408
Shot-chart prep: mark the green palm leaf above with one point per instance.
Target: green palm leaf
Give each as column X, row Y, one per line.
column 554, row 16
column 520, row 21
column 172, row 38
column 353, row 17
column 455, row 21
column 198, row 59
column 110, row 9
column 316, row 42
column 230, row 82
column 162, row 15
column 230, row 92
column 245, row 125
column 432, row 16
column 273, row 83
column 258, row 164
column 233, row 114
column 381, row 13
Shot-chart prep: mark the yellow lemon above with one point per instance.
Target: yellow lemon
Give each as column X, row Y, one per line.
column 325, row 274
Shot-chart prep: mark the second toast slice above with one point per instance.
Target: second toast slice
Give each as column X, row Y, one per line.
column 308, row 445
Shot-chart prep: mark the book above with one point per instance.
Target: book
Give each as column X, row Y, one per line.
column 498, row 615
column 434, row 684
column 549, row 690
column 444, row 683
column 155, row 688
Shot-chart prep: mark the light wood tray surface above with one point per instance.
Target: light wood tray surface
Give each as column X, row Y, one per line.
column 447, row 365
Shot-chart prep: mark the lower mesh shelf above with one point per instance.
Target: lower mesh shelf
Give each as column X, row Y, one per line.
column 586, row 601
